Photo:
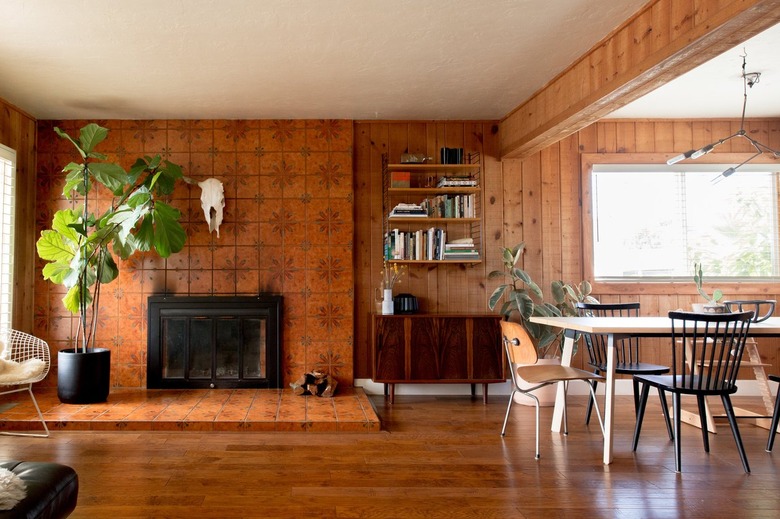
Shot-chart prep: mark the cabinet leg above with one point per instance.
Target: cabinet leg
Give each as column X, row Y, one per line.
column 385, row 387
column 392, row 393
column 473, row 390
column 484, row 393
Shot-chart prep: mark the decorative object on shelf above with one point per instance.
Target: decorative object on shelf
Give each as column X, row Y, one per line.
column 748, row 80
column 452, row 155
column 405, row 304
column 212, row 200
column 415, row 158
column 524, row 298
column 391, row 274
column 79, row 247
column 713, row 305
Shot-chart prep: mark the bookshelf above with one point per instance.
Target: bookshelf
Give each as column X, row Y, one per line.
column 432, row 212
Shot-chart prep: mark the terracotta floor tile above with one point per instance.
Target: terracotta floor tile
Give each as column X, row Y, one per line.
column 195, row 410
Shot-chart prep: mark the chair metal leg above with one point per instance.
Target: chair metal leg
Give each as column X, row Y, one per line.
column 677, row 408
column 598, row 413
column 635, row 384
column 775, row 418
column 665, row 410
column 640, row 414
column 536, row 402
column 38, row 409
column 594, row 385
column 508, row 409
column 705, row 434
column 735, row 431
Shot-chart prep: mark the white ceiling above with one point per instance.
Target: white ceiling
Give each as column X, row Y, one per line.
column 243, row 59
column 715, row 89
column 351, row 59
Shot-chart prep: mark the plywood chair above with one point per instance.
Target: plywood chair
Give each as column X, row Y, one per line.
column 522, row 356
column 24, row 360
column 627, row 352
column 707, row 351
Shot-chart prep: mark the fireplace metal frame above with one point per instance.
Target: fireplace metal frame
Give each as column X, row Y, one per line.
column 264, row 306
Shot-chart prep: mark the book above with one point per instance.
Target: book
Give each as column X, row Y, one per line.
column 400, row 179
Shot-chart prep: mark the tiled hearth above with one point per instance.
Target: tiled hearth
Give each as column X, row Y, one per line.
column 196, row 410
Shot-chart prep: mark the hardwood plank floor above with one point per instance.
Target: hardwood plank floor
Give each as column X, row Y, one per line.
column 436, row 457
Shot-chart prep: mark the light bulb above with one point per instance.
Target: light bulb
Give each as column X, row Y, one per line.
column 681, row 156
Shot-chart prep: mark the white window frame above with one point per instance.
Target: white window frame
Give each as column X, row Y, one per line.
column 7, row 231
column 655, row 286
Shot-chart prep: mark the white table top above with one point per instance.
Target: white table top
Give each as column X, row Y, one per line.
column 640, row 326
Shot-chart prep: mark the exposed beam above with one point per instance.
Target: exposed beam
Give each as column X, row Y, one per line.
column 665, row 39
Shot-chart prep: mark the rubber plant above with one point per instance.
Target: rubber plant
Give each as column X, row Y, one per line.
column 80, row 245
column 523, row 297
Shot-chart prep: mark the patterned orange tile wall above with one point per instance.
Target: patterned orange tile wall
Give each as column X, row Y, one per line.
column 287, row 229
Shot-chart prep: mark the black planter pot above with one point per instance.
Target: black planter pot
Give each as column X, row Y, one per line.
column 83, row 378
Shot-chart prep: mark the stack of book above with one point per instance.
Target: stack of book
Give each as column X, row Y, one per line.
column 450, row 206
column 407, row 210
column 462, row 249
column 457, row 182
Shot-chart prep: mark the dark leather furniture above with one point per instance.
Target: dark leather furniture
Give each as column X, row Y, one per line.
column 52, row 490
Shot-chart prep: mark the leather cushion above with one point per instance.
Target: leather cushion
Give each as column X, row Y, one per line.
column 52, row 490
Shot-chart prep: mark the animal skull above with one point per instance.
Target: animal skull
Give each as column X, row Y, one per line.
column 212, row 200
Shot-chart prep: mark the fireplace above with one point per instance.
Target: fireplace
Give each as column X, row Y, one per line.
column 214, row 342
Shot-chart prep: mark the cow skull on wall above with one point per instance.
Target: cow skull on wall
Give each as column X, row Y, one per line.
column 212, row 200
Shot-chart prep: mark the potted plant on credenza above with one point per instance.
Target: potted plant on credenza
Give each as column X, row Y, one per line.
column 82, row 242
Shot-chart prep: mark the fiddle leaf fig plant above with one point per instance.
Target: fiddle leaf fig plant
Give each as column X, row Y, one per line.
column 81, row 245
column 523, row 297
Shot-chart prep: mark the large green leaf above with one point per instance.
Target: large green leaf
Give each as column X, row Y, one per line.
column 495, row 297
column 109, row 270
column 64, row 135
column 169, row 235
column 144, row 236
column 74, row 180
column 110, row 175
column 71, row 299
column 90, row 136
column 56, row 272
column 52, row 247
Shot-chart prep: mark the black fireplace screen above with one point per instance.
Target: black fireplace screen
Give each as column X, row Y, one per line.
column 214, row 342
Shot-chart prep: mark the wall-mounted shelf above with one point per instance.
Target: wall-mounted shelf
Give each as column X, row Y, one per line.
column 449, row 196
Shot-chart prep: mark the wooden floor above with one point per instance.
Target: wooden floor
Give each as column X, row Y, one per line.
column 435, row 457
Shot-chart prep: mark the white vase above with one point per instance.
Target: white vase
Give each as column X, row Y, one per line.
column 546, row 394
column 387, row 302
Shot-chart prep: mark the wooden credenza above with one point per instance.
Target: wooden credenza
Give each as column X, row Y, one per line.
column 437, row 349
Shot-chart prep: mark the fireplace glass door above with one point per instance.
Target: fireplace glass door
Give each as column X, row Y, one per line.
column 212, row 346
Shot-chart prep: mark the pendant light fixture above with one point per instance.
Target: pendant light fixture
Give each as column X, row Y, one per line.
column 748, row 80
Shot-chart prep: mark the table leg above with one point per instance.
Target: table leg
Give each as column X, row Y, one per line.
column 609, row 403
column 566, row 355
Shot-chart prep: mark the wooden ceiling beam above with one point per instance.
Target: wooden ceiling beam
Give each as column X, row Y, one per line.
column 665, row 39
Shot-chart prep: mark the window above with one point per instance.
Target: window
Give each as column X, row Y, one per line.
column 653, row 222
column 7, row 208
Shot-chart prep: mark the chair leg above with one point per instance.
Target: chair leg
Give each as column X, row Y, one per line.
column 591, row 401
column 508, row 409
column 536, row 402
column 665, row 410
column 596, row 404
column 565, row 412
column 640, row 414
column 635, row 383
column 40, row 416
column 705, row 434
column 677, row 410
column 775, row 418
column 735, row 431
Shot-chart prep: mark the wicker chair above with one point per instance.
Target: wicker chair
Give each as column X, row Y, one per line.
column 24, row 360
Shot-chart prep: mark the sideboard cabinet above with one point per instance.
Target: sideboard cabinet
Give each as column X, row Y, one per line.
column 437, row 349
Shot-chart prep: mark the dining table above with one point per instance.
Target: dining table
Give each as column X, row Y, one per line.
column 616, row 328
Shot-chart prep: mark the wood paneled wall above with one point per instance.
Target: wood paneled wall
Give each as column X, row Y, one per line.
column 537, row 200
column 18, row 132
column 439, row 288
